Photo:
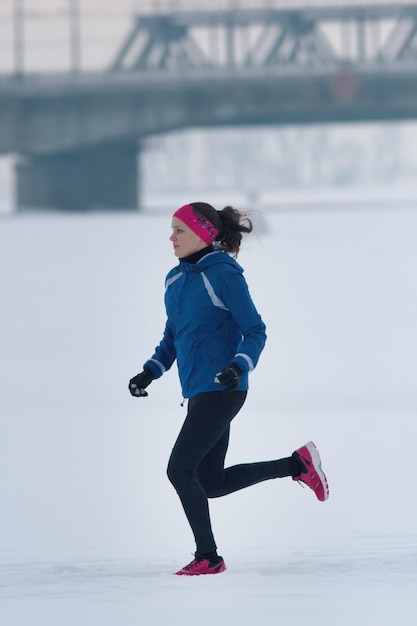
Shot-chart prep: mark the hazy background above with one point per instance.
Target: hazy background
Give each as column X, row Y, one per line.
column 251, row 163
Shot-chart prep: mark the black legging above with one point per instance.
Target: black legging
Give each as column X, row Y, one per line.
column 196, row 466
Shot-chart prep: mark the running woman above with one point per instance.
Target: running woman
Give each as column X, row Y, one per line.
column 216, row 335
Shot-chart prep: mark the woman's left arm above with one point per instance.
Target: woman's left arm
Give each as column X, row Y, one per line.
column 236, row 297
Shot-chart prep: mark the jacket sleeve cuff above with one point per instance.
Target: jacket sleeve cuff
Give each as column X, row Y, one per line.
column 244, row 362
column 155, row 367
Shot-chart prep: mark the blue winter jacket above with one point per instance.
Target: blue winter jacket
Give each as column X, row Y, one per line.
column 211, row 322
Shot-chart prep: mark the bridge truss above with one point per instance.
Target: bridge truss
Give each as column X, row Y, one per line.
column 264, row 38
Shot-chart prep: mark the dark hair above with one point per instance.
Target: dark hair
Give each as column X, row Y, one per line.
column 230, row 223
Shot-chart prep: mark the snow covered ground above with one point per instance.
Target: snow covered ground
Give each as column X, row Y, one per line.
column 90, row 528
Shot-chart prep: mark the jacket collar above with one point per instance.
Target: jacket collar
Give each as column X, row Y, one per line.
column 196, row 256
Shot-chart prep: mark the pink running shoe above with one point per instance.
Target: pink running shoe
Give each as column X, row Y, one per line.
column 312, row 475
column 201, row 565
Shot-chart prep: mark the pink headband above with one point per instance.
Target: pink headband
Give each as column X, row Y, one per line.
column 199, row 224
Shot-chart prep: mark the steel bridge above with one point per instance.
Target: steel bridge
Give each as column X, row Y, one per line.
column 79, row 134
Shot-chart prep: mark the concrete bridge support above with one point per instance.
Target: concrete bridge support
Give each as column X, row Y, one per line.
column 103, row 177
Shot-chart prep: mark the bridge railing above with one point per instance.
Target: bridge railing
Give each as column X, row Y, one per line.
column 184, row 34
column 164, row 6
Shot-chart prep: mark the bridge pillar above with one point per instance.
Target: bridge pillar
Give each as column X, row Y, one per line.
column 104, row 177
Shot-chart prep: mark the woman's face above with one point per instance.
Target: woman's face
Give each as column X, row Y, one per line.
column 185, row 241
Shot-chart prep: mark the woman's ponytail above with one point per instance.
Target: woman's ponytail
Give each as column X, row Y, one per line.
column 230, row 223
column 234, row 223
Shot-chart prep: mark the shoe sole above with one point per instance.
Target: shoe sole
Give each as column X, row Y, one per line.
column 218, row 571
column 316, row 460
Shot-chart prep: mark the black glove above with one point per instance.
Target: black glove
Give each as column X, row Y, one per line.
column 229, row 377
column 138, row 383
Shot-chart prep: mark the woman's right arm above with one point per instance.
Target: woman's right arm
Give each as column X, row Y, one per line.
column 164, row 355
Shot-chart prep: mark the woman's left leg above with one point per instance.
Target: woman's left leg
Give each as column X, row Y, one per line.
column 205, row 429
